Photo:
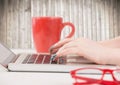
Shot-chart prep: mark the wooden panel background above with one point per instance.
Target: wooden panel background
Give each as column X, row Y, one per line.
column 94, row 19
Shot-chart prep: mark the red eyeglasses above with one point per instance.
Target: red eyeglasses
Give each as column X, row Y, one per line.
column 88, row 76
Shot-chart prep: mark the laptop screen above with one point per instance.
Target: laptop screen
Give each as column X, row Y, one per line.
column 6, row 55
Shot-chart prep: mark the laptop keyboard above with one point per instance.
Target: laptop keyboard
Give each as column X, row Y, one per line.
column 39, row 59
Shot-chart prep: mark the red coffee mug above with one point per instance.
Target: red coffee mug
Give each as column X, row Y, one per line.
column 47, row 31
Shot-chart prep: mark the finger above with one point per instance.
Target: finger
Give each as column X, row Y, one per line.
column 72, row 51
column 54, row 51
column 68, row 51
column 59, row 44
column 68, row 45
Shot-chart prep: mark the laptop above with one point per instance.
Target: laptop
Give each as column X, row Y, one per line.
column 40, row 62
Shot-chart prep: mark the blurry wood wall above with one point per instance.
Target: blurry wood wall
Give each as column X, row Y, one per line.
column 94, row 19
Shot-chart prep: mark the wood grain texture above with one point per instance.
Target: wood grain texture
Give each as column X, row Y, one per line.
column 3, row 28
column 93, row 19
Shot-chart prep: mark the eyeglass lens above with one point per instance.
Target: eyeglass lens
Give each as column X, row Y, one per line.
column 117, row 74
column 88, row 72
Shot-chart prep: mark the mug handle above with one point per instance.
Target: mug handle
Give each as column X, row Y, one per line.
column 72, row 27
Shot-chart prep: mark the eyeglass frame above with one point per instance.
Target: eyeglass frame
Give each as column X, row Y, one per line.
column 92, row 80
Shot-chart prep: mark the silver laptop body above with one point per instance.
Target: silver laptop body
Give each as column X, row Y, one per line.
column 33, row 62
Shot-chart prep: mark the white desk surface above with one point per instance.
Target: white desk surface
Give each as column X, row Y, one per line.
column 27, row 78
column 13, row 78
column 23, row 78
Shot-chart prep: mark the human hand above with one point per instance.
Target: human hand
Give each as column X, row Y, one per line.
column 82, row 47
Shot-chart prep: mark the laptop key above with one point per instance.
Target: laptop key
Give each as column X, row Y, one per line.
column 47, row 59
column 26, row 59
column 39, row 59
column 32, row 58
